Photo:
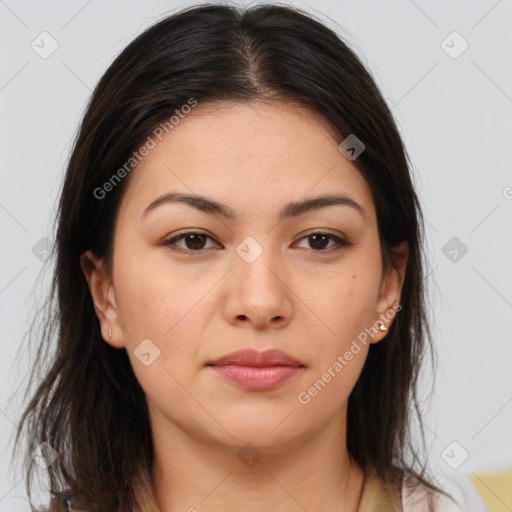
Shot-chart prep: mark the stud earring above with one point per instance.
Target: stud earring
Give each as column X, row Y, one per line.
column 383, row 328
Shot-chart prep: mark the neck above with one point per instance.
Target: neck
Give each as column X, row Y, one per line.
column 200, row 475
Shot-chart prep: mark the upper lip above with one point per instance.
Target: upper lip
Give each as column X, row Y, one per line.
column 253, row 357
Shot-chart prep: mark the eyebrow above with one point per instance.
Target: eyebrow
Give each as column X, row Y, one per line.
column 290, row 210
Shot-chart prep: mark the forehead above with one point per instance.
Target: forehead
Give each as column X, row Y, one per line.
column 229, row 131
column 245, row 152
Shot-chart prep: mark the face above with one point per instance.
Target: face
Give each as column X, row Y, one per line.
column 255, row 273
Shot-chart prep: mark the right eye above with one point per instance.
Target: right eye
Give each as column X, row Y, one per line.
column 194, row 241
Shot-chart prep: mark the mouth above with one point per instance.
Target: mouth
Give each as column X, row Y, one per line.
column 257, row 371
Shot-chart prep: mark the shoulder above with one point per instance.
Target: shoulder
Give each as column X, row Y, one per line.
column 416, row 497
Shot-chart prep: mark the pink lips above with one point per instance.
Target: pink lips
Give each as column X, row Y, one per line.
column 257, row 371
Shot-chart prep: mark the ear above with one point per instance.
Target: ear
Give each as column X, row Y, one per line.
column 391, row 290
column 103, row 296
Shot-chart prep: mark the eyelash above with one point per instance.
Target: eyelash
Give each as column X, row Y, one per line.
column 171, row 241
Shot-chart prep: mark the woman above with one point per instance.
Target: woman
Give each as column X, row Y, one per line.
column 238, row 285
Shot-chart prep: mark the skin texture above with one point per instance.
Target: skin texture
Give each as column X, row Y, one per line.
column 309, row 302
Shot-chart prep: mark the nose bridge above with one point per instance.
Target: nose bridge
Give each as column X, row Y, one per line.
column 258, row 292
column 256, row 263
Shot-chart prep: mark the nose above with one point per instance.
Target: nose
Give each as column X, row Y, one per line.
column 257, row 294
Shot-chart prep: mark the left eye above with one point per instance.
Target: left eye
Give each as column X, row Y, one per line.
column 319, row 240
column 195, row 241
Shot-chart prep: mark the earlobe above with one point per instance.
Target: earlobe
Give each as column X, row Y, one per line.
column 391, row 290
column 100, row 288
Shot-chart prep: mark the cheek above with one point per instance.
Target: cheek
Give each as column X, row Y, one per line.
column 339, row 355
column 144, row 303
column 151, row 296
column 159, row 303
column 346, row 307
column 159, row 307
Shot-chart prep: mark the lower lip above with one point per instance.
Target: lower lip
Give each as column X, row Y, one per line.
column 257, row 378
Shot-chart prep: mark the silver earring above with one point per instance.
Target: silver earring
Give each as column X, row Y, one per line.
column 383, row 328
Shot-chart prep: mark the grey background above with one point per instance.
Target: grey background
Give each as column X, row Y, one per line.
column 455, row 115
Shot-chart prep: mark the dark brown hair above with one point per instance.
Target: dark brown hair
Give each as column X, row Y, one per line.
column 86, row 402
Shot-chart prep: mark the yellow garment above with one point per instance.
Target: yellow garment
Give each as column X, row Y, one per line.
column 374, row 497
column 495, row 489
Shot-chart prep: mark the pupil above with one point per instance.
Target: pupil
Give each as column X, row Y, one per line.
column 191, row 238
column 316, row 239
